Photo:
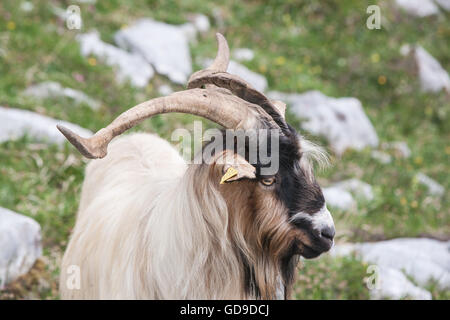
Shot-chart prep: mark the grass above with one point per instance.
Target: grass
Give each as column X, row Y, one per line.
column 299, row 46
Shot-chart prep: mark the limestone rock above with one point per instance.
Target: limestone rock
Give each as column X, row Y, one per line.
column 20, row 245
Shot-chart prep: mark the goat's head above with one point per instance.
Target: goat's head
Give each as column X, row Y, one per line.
column 287, row 209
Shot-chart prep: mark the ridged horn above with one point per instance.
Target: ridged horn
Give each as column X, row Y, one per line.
column 215, row 104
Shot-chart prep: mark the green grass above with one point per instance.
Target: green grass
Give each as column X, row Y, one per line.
column 299, row 46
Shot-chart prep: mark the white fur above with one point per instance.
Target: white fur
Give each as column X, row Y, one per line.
column 311, row 152
column 319, row 220
column 140, row 233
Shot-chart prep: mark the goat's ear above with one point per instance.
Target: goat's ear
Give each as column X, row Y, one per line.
column 235, row 167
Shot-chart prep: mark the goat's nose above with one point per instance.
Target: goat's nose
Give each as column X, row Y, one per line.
column 328, row 232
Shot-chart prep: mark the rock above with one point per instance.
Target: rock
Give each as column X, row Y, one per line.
column 418, row 8
column 26, row 6
column 421, row 259
column 164, row 46
column 51, row 89
column 393, row 284
column 165, row 90
column 400, row 147
column 258, row 81
column 190, row 32
column 433, row 77
column 338, row 198
column 20, row 243
column 200, row 21
column 356, row 187
column 243, row 54
column 128, row 65
column 444, row 4
column 433, row 187
column 340, row 195
column 341, row 120
column 14, row 123
column 381, row 156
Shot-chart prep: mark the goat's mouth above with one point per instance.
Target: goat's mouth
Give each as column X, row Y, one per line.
column 311, row 246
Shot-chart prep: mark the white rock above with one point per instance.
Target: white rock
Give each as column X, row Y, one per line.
column 340, row 195
column 26, row 6
column 433, row 77
column 341, row 120
column 418, row 8
column 243, row 54
column 190, row 32
column 20, row 243
column 433, row 187
column 258, row 81
column 14, row 123
column 128, row 65
column 201, row 22
column 356, row 187
column 338, row 198
column 445, row 4
column 51, row 89
column 382, row 157
column 393, row 284
column 422, row 259
column 165, row 90
column 165, row 46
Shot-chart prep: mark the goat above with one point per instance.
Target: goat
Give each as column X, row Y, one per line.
column 150, row 226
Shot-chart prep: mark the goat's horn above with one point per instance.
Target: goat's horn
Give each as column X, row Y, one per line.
column 216, row 75
column 215, row 104
column 223, row 55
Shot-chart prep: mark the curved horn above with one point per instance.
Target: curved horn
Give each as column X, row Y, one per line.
column 217, row 105
column 223, row 54
column 216, row 75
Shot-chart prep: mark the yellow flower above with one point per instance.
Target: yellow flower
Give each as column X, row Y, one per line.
column 92, row 61
column 382, row 80
column 375, row 57
column 418, row 160
column 403, row 201
column 11, row 25
column 263, row 68
column 447, row 149
column 414, row 204
column 279, row 61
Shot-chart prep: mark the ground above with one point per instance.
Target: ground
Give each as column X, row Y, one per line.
column 298, row 47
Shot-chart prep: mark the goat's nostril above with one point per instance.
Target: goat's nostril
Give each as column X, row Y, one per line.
column 328, row 232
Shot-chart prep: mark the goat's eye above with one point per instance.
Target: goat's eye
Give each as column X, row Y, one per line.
column 268, row 181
